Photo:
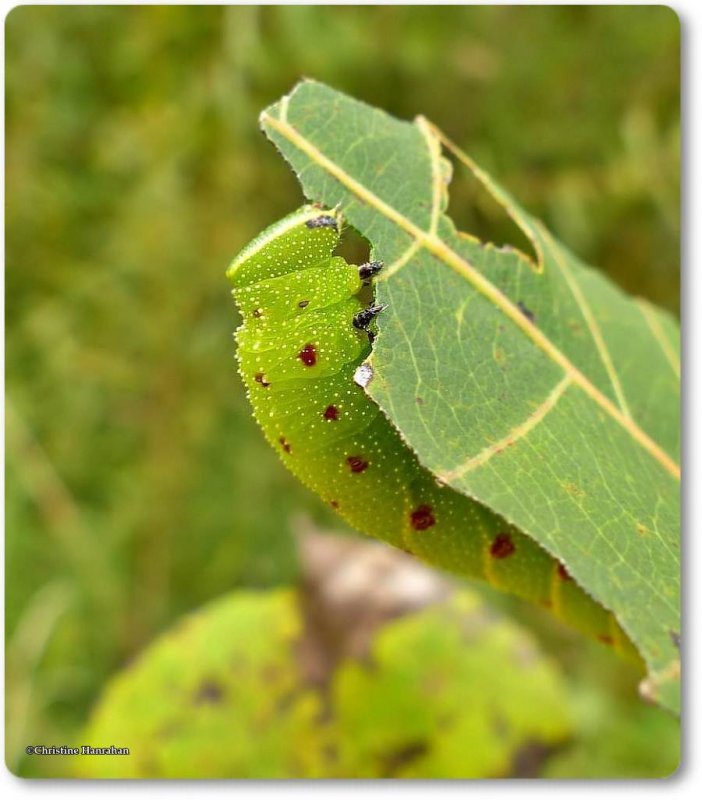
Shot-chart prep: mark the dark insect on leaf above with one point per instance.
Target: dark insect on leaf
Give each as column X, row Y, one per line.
column 325, row 221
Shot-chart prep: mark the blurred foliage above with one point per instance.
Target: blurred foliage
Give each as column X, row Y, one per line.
column 466, row 693
column 617, row 738
column 451, row 691
column 137, row 485
column 615, row 734
column 218, row 696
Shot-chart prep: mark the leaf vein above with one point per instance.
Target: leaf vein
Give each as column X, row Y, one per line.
column 462, row 266
column 590, row 321
column 660, row 337
column 517, row 433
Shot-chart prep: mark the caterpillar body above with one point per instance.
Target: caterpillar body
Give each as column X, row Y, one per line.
column 301, row 347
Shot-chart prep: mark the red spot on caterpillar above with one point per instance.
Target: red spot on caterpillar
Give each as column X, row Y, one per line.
column 502, row 546
column 285, row 444
column 605, row 638
column 357, row 464
column 331, row 413
column 259, row 377
column 422, row 518
column 334, row 504
column 303, row 303
column 563, row 573
column 308, row 355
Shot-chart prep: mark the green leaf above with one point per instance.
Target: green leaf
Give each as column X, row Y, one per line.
column 217, row 696
column 460, row 690
column 451, row 691
column 534, row 386
column 618, row 739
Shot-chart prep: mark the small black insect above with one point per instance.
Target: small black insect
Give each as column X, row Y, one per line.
column 325, row 221
column 527, row 312
column 363, row 319
column 370, row 269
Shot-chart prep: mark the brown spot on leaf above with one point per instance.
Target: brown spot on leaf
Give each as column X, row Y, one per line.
column 563, row 573
column 334, row 504
column 530, row 758
column 259, row 377
column 573, row 489
column 308, row 355
column 502, row 546
column 331, row 413
column 209, row 692
column 393, row 761
column 422, row 518
column 605, row 638
column 357, row 464
column 420, row 401
column 675, row 638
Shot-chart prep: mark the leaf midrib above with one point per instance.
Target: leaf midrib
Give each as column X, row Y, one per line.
column 444, row 253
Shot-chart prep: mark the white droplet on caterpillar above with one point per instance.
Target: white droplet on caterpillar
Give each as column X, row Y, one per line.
column 363, row 375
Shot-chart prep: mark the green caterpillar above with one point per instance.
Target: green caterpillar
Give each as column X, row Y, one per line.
column 306, row 331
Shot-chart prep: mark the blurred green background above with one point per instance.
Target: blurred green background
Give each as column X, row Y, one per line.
column 138, row 486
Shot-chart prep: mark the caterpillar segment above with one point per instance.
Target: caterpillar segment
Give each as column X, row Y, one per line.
column 304, row 334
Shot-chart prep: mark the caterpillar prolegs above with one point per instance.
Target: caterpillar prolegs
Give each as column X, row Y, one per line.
column 307, row 316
